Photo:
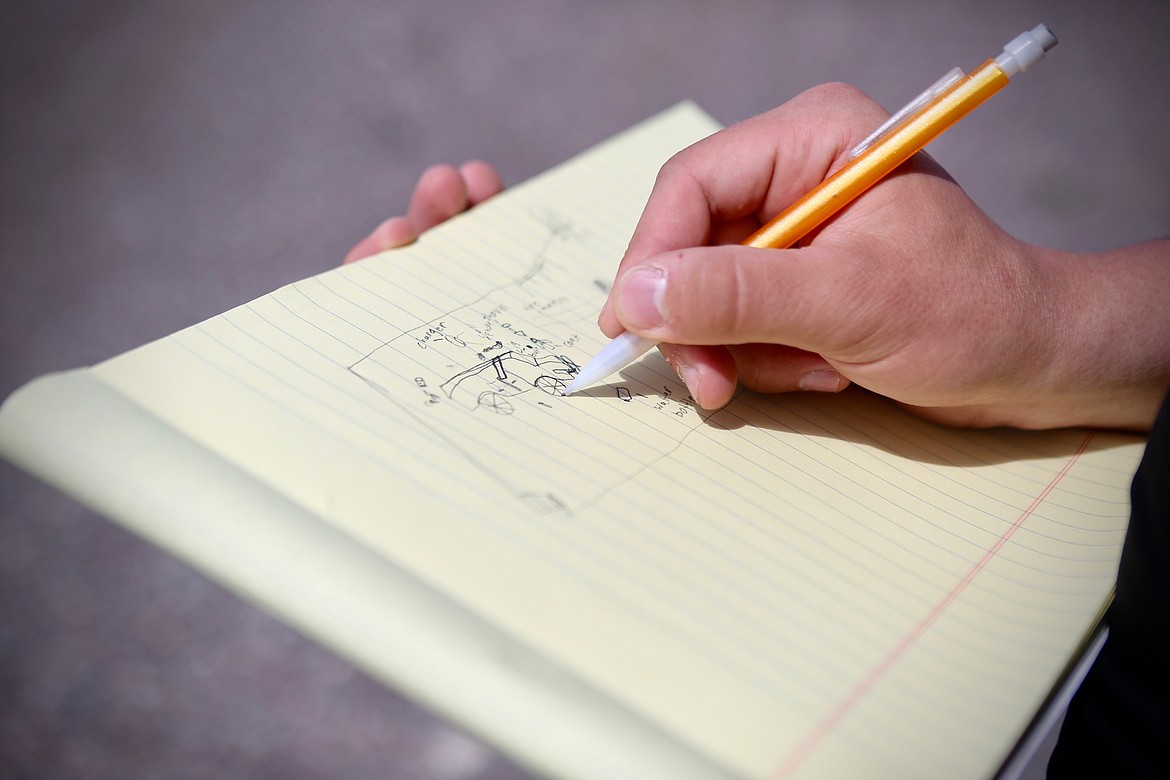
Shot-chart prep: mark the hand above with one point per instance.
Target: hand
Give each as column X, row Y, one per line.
column 441, row 192
column 911, row 291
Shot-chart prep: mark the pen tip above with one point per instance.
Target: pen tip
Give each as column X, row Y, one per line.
column 572, row 387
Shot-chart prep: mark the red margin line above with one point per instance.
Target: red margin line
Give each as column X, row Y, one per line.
column 830, row 722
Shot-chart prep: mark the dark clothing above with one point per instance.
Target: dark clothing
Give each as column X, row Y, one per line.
column 1118, row 724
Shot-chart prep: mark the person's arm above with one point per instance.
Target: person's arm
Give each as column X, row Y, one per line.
column 911, row 291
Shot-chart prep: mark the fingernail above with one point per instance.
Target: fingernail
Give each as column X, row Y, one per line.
column 692, row 378
column 641, row 294
column 823, row 380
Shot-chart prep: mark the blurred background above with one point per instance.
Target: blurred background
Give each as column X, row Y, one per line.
column 162, row 161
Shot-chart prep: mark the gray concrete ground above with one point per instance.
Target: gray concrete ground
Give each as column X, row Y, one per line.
column 163, row 161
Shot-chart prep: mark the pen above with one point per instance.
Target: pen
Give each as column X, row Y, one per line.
column 906, row 132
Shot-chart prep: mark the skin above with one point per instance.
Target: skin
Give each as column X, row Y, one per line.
column 911, row 291
column 440, row 193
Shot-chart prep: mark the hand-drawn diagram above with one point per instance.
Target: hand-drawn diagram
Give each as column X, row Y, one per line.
column 489, row 384
column 494, row 369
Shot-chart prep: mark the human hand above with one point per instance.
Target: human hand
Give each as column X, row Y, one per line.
column 440, row 193
column 911, row 291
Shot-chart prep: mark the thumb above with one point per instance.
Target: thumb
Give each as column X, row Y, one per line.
column 814, row 298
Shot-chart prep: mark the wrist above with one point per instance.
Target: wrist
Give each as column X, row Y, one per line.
column 1106, row 337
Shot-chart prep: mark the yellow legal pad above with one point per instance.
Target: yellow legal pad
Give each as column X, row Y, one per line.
column 613, row 584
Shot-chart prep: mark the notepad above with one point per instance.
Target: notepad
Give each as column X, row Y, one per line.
column 616, row 583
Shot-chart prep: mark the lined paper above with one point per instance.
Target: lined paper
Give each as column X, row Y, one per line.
column 796, row 586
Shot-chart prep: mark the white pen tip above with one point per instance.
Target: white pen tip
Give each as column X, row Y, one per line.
column 613, row 357
column 574, row 386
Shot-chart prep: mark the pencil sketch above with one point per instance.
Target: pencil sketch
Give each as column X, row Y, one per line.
column 489, row 384
column 495, row 369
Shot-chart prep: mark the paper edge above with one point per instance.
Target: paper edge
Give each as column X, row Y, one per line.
column 338, row 593
column 1048, row 717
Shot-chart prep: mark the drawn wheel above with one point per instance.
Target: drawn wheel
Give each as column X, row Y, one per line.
column 494, row 402
column 550, row 384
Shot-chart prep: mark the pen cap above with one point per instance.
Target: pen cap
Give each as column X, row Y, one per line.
column 1025, row 50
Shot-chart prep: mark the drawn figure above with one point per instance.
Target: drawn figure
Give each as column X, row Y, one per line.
column 493, row 369
column 490, row 383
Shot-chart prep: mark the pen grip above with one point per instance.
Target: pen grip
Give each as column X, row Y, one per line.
column 874, row 164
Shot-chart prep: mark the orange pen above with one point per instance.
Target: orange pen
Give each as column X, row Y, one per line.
column 899, row 138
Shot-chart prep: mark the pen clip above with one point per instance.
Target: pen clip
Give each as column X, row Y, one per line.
column 907, row 111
